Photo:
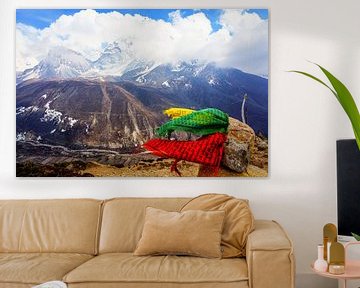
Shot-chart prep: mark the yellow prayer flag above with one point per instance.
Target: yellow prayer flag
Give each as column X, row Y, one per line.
column 177, row 112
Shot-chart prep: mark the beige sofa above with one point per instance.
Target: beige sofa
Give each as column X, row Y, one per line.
column 89, row 243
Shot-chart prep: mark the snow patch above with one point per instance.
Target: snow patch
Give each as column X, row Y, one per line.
column 177, row 67
column 47, row 105
column 44, row 96
column 51, row 115
column 140, row 79
column 22, row 109
column 198, row 69
column 147, row 70
column 212, row 81
column 72, row 121
column 166, row 84
column 54, row 115
column 181, row 78
column 21, row 136
column 52, row 131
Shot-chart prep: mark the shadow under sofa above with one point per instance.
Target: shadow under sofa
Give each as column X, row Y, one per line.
column 90, row 243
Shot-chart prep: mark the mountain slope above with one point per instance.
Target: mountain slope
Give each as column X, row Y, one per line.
column 198, row 86
column 83, row 112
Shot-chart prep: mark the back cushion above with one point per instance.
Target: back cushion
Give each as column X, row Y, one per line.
column 67, row 226
column 123, row 220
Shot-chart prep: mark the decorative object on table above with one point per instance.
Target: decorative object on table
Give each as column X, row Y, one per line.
column 85, row 107
column 333, row 251
column 341, row 267
column 320, row 264
column 329, row 236
column 344, row 97
column 52, row 284
column 337, row 258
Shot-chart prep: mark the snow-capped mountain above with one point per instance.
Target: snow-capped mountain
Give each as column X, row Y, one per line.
column 60, row 62
column 113, row 61
column 118, row 60
column 63, row 63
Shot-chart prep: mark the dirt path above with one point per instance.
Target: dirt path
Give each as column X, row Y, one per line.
column 106, row 106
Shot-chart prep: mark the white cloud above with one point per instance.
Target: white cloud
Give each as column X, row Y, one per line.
column 241, row 42
column 249, row 41
column 27, row 52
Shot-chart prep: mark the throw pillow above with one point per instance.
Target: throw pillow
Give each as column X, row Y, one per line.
column 238, row 224
column 196, row 233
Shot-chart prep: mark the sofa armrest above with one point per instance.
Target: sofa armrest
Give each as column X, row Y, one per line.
column 269, row 256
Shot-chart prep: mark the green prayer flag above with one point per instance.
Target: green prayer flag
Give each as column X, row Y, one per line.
column 202, row 122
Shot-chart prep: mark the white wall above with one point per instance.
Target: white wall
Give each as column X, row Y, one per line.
column 305, row 120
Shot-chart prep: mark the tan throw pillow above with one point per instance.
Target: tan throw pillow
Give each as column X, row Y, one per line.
column 239, row 220
column 196, row 233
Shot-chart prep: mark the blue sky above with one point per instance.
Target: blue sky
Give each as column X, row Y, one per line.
column 41, row 18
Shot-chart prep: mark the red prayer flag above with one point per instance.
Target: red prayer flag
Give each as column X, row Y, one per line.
column 207, row 150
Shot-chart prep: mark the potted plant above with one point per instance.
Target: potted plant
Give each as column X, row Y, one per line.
column 345, row 99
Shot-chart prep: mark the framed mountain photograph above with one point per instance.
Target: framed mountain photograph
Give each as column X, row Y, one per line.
column 142, row 92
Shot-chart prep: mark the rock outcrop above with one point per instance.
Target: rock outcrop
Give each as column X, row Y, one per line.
column 245, row 153
column 240, row 141
column 236, row 155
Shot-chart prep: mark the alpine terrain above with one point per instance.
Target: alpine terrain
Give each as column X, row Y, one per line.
column 112, row 105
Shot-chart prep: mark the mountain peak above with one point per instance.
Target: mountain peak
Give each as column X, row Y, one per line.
column 112, row 48
column 60, row 62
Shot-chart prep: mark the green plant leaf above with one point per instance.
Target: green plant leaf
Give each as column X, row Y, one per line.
column 356, row 236
column 346, row 100
column 316, row 79
column 344, row 97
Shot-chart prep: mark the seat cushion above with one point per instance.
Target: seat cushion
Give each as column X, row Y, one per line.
column 126, row 268
column 35, row 268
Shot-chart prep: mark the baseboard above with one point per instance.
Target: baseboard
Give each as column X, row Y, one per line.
column 310, row 280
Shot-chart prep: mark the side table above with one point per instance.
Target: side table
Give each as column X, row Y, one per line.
column 352, row 268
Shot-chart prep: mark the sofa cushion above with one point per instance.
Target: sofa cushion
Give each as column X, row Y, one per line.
column 36, row 268
column 126, row 268
column 193, row 232
column 239, row 220
column 123, row 220
column 63, row 226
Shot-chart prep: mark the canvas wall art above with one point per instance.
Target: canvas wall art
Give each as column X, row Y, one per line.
column 136, row 93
